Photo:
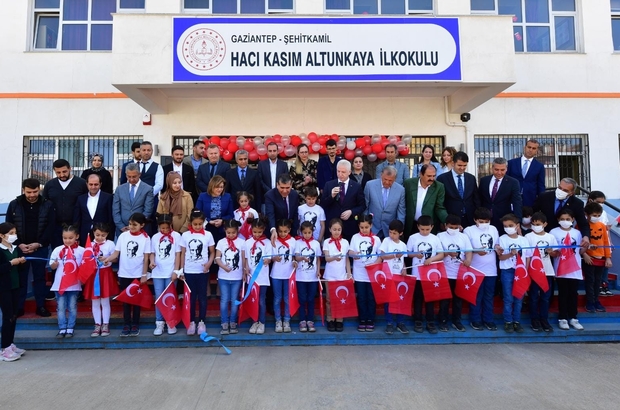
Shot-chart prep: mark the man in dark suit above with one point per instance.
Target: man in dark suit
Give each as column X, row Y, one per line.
column 93, row 207
column 529, row 172
column 500, row 194
column 270, row 169
column 461, row 189
column 281, row 202
column 137, row 156
column 551, row 202
column 343, row 198
column 186, row 171
column 326, row 166
column 243, row 178
column 215, row 166
column 432, row 194
column 134, row 196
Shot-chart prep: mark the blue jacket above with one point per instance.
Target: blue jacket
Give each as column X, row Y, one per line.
column 204, row 204
column 534, row 182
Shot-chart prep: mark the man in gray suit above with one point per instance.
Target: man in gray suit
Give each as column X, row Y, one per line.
column 385, row 199
column 134, row 196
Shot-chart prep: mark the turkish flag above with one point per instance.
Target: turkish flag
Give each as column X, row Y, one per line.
column 342, row 298
column 185, row 308
column 136, row 294
column 293, row 300
column 402, row 292
column 465, row 289
column 435, row 283
column 568, row 263
column 381, row 281
column 249, row 307
column 522, row 280
column 168, row 305
column 69, row 271
column 89, row 263
column 537, row 271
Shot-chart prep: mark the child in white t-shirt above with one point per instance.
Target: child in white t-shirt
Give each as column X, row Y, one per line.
column 424, row 248
column 396, row 263
column 281, row 271
column 311, row 212
column 511, row 244
column 483, row 236
column 230, row 275
column 245, row 214
column 337, row 267
column 256, row 248
column 539, row 300
column 307, row 253
column 453, row 242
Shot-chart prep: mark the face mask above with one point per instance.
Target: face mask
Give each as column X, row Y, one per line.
column 526, row 221
column 595, row 219
column 11, row 238
column 560, row 195
column 484, row 226
column 538, row 228
column 510, row 231
column 452, row 231
column 566, row 224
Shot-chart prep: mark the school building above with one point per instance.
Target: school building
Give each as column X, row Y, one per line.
column 83, row 76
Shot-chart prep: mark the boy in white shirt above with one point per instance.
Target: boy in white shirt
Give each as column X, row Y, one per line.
column 424, row 248
column 453, row 241
column 511, row 244
column 312, row 212
column 539, row 300
column 397, row 267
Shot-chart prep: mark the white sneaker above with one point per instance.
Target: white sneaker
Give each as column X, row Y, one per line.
column 279, row 326
column 563, row 324
column 192, row 329
column 287, row 327
column 159, row 328
column 253, row 328
column 575, row 323
column 201, row 328
column 172, row 330
column 8, row 355
column 17, row 349
column 260, row 329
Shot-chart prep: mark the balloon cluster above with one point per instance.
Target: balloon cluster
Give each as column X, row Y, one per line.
column 371, row 147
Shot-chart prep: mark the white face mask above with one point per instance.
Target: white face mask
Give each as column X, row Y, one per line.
column 484, row 226
column 538, row 228
column 11, row 238
column 526, row 221
column 561, row 195
column 452, row 231
column 566, row 224
column 510, row 230
column 595, row 219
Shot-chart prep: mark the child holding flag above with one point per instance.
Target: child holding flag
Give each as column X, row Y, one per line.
column 255, row 249
column 307, row 253
column 396, row 263
column 230, row 275
column 281, row 271
column 337, row 267
column 65, row 259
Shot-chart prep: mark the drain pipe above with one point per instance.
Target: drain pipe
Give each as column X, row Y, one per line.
column 468, row 147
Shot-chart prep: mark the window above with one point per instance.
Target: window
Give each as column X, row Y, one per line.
column 41, row 151
column 379, row 6
column 77, row 24
column 539, row 25
column 562, row 155
column 239, row 6
column 615, row 23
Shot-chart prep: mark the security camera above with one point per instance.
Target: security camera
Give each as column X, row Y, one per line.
column 465, row 117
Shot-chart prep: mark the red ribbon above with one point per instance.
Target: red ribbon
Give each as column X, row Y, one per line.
column 64, row 250
column 284, row 242
column 140, row 232
column 259, row 240
column 372, row 238
column 231, row 244
column 167, row 235
column 243, row 211
column 337, row 242
column 201, row 231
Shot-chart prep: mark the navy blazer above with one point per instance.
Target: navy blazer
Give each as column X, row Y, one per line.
column 507, row 200
column 204, row 174
column 187, row 174
column 353, row 200
column 103, row 214
column 265, row 173
column 123, row 175
column 275, row 208
column 325, row 170
column 453, row 202
column 251, row 185
column 534, row 182
column 545, row 203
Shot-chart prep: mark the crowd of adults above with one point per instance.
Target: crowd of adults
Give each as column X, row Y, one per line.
column 210, row 184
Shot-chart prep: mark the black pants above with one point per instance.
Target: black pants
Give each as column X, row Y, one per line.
column 127, row 308
column 418, row 301
column 457, row 306
column 8, row 303
column 567, row 298
column 592, row 276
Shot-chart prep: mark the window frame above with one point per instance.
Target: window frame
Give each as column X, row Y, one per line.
column 268, row 10
column 408, row 11
column 551, row 25
column 615, row 15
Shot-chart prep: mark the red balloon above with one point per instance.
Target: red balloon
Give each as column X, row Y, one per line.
column 403, row 151
column 323, row 150
column 215, row 140
column 381, row 154
column 322, row 140
column 263, row 157
column 267, row 141
column 384, row 143
column 359, row 143
column 232, row 148
column 224, row 142
column 248, row 146
column 295, row 141
column 253, row 156
column 367, row 140
column 348, row 154
column 282, row 154
column 313, row 137
column 367, row 149
column 377, row 148
column 206, row 141
column 277, row 138
column 227, row 155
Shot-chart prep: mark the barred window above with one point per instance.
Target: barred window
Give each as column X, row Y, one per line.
column 239, row 6
column 379, row 6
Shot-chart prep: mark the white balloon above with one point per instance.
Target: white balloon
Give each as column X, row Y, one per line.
column 286, row 140
column 258, row 141
column 261, row 149
column 351, row 145
column 316, row 147
column 289, row 150
column 359, row 152
column 341, row 145
column 376, row 138
column 393, row 139
column 372, row 157
column 305, row 140
column 303, row 135
column 240, row 142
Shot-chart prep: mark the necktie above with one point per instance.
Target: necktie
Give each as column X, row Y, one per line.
column 560, row 205
column 143, row 171
column 460, row 186
column 286, row 207
column 385, row 197
column 243, row 176
column 525, row 167
column 132, row 193
column 212, row 171
column 494, row 192
column 342, row 193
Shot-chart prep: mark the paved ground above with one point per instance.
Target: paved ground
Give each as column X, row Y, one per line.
column 557, row 376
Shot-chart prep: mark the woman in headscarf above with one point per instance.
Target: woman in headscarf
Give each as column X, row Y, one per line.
column 97, row 167
column 303, row 173
column 173, row 200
